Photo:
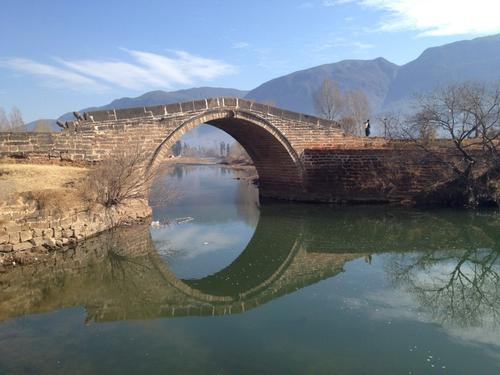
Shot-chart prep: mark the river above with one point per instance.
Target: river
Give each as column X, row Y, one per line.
column 223, row 285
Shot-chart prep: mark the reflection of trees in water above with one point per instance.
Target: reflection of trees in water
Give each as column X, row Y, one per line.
column 461, row 288
column 178, row 171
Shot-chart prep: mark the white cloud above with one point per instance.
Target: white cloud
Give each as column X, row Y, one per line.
column 54, row 76
column 193, row 240
column 240, row 45
column 144, row 70
column 435, row 17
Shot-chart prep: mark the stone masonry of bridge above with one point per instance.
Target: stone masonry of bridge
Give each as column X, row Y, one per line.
column 297, row 156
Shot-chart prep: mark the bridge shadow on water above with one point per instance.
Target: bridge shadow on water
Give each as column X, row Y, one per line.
column 119, row 275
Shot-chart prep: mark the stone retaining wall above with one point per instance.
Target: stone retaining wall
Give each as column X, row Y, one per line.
column 370, row 174
column 30, row 238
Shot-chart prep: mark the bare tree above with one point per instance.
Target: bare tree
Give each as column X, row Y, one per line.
column 351, row 109
column 16, row 120
column 122, row 177
column 237, row 155
column 468, row 115
column 391, row 124
column 4, row 121
column 329, row 101
column 357, row 107
column 459, row 288
column 349, row 125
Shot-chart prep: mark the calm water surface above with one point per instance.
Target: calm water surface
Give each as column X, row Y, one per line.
column 224, row 286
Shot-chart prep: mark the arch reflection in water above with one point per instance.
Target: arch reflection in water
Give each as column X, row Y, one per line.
column 447, row 263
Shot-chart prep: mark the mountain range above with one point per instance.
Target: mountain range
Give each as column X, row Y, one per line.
column 387, row 85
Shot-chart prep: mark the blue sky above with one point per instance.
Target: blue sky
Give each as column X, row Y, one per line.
column 59, row 56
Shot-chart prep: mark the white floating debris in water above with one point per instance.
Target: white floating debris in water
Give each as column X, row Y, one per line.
column 205, row 243
column 155, row 224
column 183, row 220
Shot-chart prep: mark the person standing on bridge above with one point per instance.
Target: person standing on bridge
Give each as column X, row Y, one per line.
column 367, row 128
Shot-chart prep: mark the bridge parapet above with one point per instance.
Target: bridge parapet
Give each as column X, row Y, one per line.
column 194, row 106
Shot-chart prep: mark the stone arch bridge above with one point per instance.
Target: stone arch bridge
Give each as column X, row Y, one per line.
column 297, row 156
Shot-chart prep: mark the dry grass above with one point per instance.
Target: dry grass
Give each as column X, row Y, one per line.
column 48, row 187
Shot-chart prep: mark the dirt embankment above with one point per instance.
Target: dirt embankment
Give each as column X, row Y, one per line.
column 22, row 183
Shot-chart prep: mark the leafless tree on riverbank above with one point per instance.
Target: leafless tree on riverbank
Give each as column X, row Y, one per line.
column 13, row 123
column 458, row 127
column 350, row 109
column 125, row 176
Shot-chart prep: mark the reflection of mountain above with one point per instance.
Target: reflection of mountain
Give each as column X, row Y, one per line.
column 119, row 275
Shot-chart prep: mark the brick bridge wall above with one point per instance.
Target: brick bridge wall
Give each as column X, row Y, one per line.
column 297, row 156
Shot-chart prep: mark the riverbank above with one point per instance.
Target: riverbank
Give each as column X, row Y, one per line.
column 232, row 164
column 43, row 208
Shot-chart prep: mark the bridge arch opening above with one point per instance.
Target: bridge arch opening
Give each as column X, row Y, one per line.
column 278, row 165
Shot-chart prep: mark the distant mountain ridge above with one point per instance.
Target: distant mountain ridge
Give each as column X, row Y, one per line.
column 295, row 91
column 467, row 60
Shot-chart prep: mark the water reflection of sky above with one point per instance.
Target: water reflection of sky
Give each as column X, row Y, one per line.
column 395, row 305
column 194, row 250
column 224, row 215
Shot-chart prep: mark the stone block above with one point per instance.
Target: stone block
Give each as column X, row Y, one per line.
column 37, row 241
column 22, row 246
column 48, row 232
column 12, row 227
column 4, row 238
column 49, row 243
column 25, row 235
column 37, row 232
column 66, row 222
column 6, row 248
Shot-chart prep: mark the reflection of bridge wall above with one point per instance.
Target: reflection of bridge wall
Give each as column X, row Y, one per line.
column 119, row 275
